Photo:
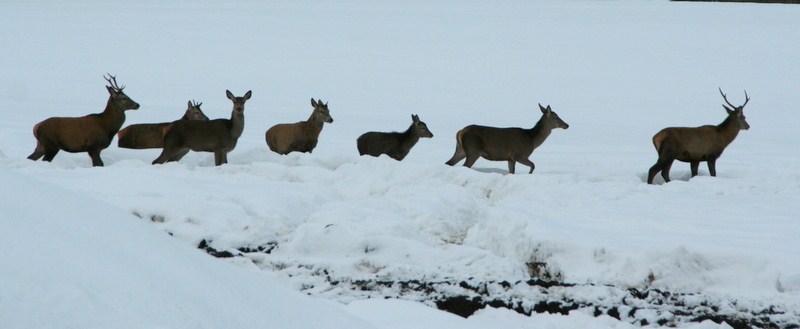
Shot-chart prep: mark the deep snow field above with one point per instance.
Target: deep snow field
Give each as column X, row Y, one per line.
column 379, row 243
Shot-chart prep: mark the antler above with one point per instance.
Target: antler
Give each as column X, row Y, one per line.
column 113, row 82
column 747, row 99
column 196, row 104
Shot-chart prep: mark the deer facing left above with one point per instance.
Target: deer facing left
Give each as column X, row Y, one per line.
column 92, row 133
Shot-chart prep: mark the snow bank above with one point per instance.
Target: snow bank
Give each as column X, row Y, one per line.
column 71, row 261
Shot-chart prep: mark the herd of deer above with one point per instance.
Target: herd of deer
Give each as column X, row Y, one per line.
column 194, row 131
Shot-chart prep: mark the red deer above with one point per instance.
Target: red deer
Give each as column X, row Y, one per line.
column 396, row 145
column 218, row 136
column 151, row 135
column 300, row 136
column 509, row 144
column 693, row 145
column 92, row 133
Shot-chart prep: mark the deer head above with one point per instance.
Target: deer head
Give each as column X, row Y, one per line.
column 321, row 112
column 736, row 113
column 551, row 118
column 193, row 111
column 420, row 127
column 238, row 102
column 117, row 96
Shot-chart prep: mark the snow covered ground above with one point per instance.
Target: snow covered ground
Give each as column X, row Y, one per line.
column 346, row 228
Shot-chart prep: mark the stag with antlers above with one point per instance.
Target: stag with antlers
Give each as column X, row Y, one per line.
column 92, row 133
column 694, row 145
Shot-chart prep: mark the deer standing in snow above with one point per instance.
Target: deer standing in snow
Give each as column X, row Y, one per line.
column 395, row 144
column 505, row 144
column 693, row 145
column 91, row 134
column 301, row 136
column 151, row 135
column 218, row 136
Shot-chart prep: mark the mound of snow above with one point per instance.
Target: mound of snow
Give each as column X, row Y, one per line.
column 73, row 262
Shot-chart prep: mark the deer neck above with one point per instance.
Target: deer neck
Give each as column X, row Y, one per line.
column 728, row 130
column 314, row 124
column 539, row 132
column 237, row 124
column 409, row 138
column 113, row 116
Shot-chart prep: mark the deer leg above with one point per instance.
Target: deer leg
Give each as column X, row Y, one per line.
column 511, row 166
column 220, row 158
column 166, row 154
column 397, row 156
column 95, row 155
column 49, row 154
column 470, row 160
column 37, row 153
column 179, row 156
column 659, row 166
column 695, row 166
column 712, row 167
column 665, row 169
column 528, row 163
column 458, row 156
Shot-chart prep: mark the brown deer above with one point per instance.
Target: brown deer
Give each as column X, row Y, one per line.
column 395, row 144
column 151, row 135
column 300, row 136
column 218, row 136
column 92, row 133
column 509, row 144
column 693, row 145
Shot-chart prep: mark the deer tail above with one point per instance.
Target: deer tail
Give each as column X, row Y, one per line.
column 460, row 153
column 36, row 130
column 658, row 140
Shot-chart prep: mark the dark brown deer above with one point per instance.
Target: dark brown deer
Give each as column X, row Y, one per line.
column 92, row 133
column 505, row 144
column 693, row 145
column 301, row 136
column 151, row 135
column 218, row 136
column 395, row 144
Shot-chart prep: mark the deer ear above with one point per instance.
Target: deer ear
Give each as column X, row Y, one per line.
column 190, row 104
column 544, row 110
column 313, row 102
column 414, row 118
column 248, row 94
column 229, row 94
column 727, row 109
column 110, row 90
